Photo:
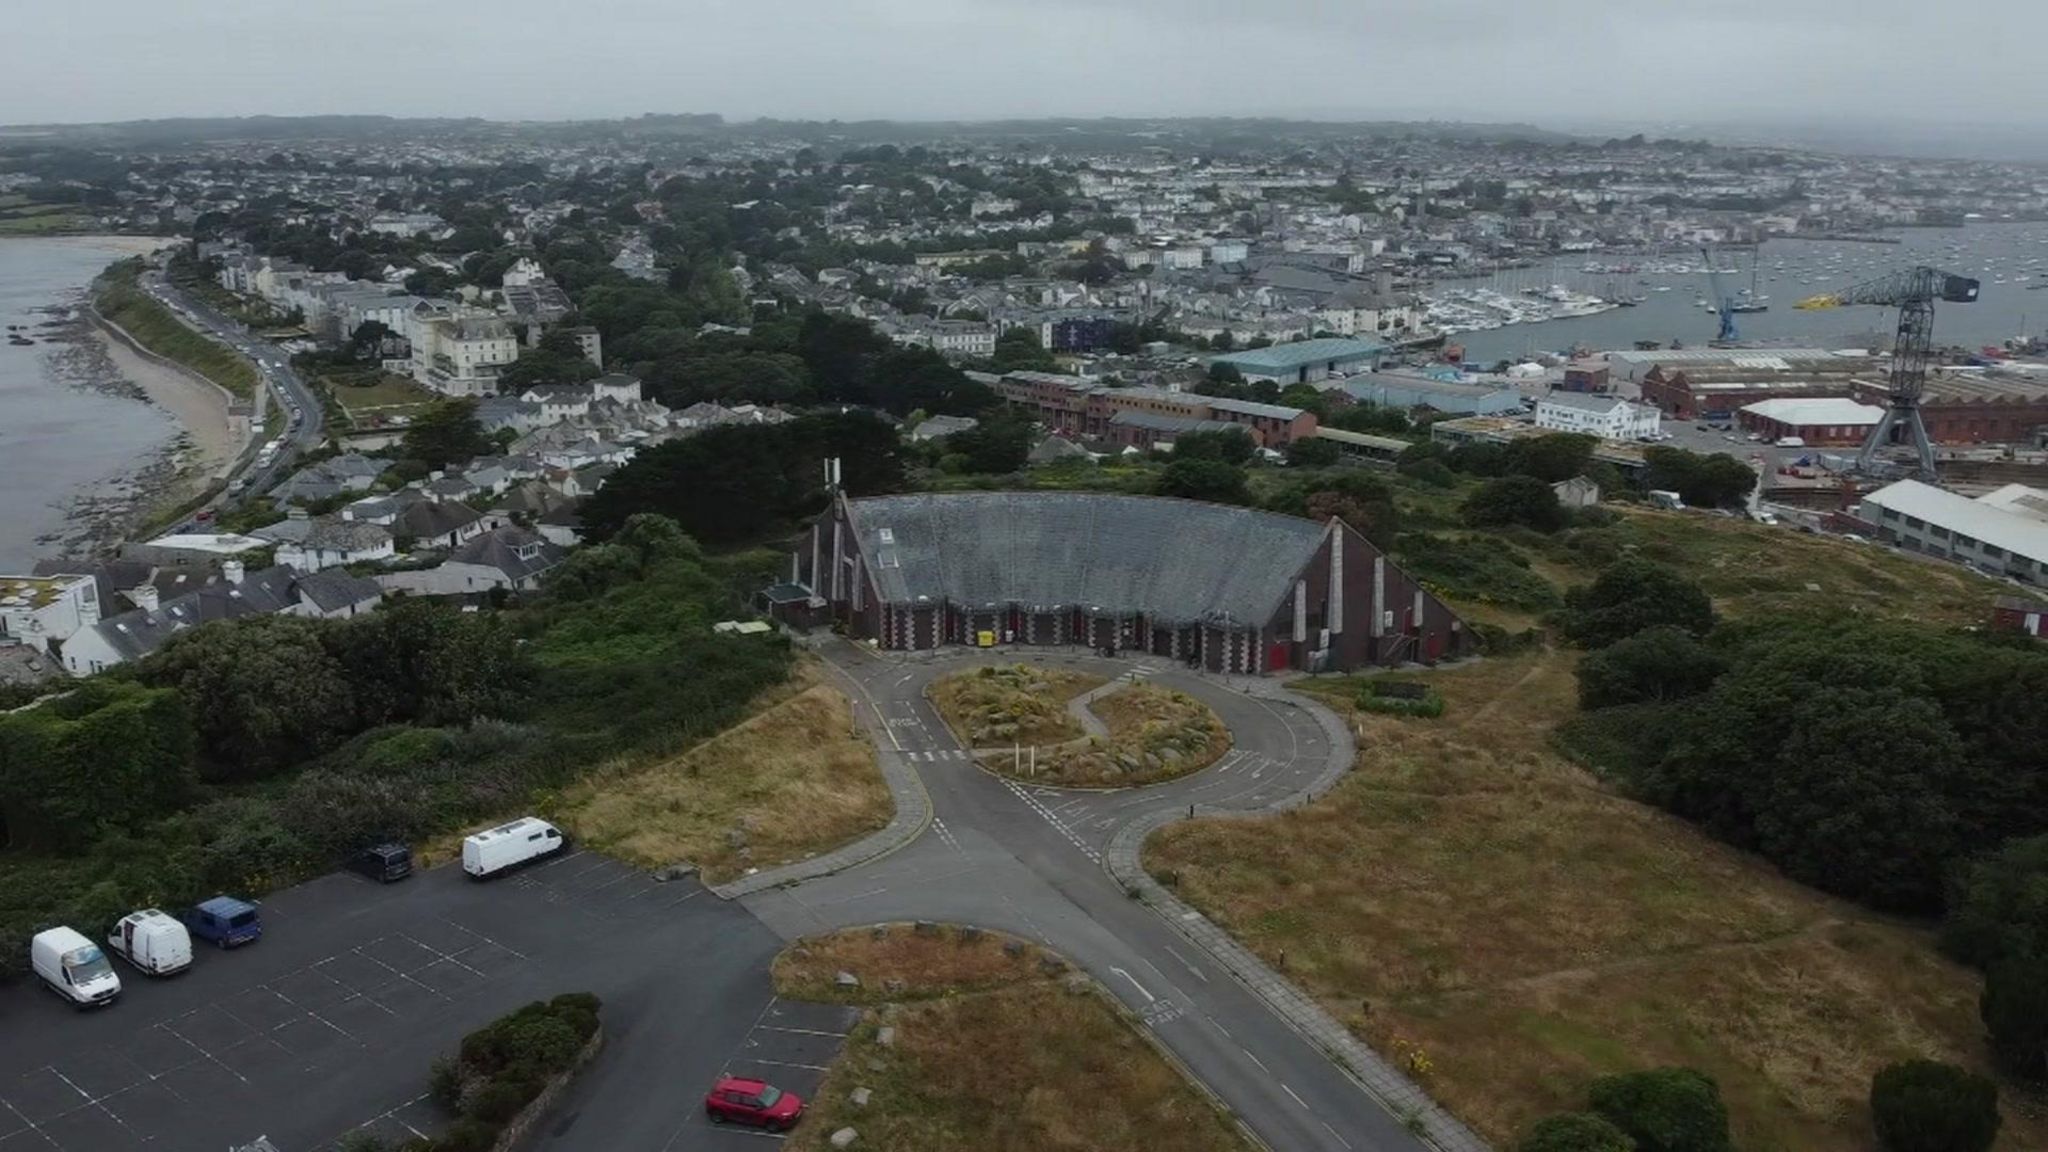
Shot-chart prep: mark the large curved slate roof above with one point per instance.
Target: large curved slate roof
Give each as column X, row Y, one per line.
column 1174, row 560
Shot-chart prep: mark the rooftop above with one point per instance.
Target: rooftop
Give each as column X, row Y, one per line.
column 1171, row 559
column 2016, row 532
column 1301, row 354
column 1803, row 411
column 35, row 591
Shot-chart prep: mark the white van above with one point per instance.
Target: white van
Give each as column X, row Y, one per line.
column 73, row 967
column 153, row 941
column 493, row 850
column 1791, row 442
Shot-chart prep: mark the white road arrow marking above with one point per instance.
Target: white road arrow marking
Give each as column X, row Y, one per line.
column 1149, row 997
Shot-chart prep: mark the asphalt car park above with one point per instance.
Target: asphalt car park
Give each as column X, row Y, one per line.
column 331, row 1022
column 790, row 1046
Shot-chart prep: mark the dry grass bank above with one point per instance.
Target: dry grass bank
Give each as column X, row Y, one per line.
column 1470, row 894
column 992, row 1052
column 795, row 779
column 1001, row 705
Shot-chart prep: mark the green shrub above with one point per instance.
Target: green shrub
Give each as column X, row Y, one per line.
column 498, row 1101
column 1401, row 698
column 467, row 1136
column 2014, row 1007
column 1998, row 905
column 444, row 1082
column 1575, row 1132
column 1664, row 1109
column 1926, row 1106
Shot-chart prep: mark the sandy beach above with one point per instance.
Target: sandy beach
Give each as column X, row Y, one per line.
column 198, row 405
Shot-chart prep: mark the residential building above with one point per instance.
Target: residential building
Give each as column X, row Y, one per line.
column 940, row 427
column 462, row 355
column 509, row 558
column 39, row 611
column 1577, row 492
column 1388, row 390
column 1608, row 417
column 129, row 636
column 311, row 543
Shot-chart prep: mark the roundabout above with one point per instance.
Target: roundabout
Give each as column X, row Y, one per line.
column 1059, row 866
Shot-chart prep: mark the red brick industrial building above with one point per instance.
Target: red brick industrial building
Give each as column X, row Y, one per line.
column 1076, row 407
column 1231, row 589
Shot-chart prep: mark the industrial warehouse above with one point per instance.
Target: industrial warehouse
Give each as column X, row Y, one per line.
column 1228, row 589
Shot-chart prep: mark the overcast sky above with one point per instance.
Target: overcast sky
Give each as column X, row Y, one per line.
column 1545, row 61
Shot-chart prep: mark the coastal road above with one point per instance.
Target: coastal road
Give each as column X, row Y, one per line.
column 273, row 366
column 1029, row 859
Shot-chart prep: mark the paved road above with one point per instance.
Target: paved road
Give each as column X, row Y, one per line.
column 333, row 1020
column 1028, row 859
column 273, row 366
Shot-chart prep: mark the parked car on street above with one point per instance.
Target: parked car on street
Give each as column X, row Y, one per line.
column 755, row 1102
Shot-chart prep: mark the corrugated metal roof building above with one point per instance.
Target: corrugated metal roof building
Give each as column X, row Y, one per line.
column 1232, row 589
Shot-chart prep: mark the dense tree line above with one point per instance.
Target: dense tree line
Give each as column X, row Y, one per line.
column 736, row 483
column 1868, row 759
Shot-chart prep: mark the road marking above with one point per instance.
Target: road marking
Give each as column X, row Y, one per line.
column 804, row 1031
column 1337, row 1134
column 886, row 726
column 1297, row 1097
column 1221, row 1028
column 1259, row 1062
column 1149, row 997
column 790, row 1064
column 1189, row 966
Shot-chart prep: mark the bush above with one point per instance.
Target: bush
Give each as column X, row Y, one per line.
column 498, row 1101
column 444, row 1082
column 1629, row 596
column 2014, row 1008
column 1575, row 1132
column 1655, row 665
column 1664, row 1109
column 1401, row 698
column 467, row 1136
column 1925, row 1106
column 1998, row 905
column 1514, row 500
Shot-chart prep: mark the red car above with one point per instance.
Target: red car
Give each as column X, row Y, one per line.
column 753, row 1102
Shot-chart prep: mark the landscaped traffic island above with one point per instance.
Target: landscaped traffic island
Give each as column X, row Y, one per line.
column 1071, row 730
column 981, row 1042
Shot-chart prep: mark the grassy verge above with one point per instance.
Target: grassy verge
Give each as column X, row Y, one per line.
column 991, row 1052
column 1154, row 734
column 795, row 779
column 121, row 301
column 368, row 396
column 1469, row 899
column 1011, row 704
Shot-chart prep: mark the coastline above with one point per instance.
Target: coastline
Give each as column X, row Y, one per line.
column 200, row 439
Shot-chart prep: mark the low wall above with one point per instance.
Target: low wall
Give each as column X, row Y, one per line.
column 536, row 1109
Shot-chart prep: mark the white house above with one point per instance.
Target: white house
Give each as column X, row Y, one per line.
column 1607, row 417
column 310, row 544
column 41, row 610
column 510, row 557
column 462, row 355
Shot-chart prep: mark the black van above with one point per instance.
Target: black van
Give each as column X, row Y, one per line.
column 383, row 863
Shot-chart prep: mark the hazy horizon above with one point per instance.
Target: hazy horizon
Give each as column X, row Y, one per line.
column 1544, row 62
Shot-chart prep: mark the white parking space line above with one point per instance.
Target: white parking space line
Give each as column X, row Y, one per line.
column 782, row 1063
column 30, row 1124
column 802, row 1031
column 91, row 1101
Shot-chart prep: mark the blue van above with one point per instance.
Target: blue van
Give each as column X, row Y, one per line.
column 226, row 921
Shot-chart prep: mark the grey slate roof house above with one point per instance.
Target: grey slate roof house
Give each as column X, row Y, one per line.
column 280, row 589
column 1232, row 589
